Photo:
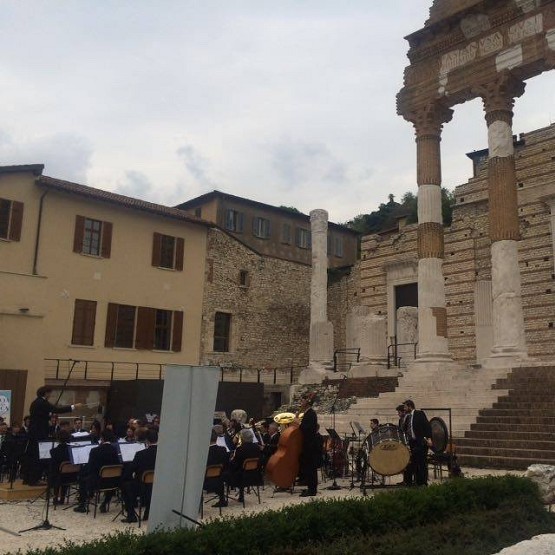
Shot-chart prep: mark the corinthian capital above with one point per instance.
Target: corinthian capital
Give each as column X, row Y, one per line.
column 499, row 95
column 429, row 119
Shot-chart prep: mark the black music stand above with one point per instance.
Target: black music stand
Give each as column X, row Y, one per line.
column 336, row 439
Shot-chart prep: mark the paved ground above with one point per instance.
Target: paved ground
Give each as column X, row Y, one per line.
column 80, row 528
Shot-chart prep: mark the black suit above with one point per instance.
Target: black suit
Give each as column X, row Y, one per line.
column 240, row 455
column 311, row 453
column 40, row 411
column 217, row 455
column 58, row 455
column 418, row 429
column 103, row 455
column 131, row 487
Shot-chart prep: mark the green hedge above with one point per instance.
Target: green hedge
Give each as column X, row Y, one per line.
column 457, row 508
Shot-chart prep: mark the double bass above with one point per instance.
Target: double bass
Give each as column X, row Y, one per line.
column 283, row 466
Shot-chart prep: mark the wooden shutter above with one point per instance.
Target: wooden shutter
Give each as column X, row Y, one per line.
column 156, row 249
column 16, row 220
column 106, row 239
column 177, row 331
column 240, row 222
column 179, row 250
column 146, row 319
column 84, row 317
column 79, row 234
column 111, row 323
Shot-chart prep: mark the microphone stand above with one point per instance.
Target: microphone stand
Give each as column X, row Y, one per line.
column 335, row 485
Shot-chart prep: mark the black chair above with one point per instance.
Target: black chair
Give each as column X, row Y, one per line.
column 67, row 480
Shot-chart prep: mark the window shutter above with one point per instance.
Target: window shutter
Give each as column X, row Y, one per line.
column 156, row 249
column 90, row 320
column 144, row 337
column 177, row 331
column 16, row 220
column 79, row 234
column 106, row 239
column 239, row 222
column 111, row 323
column 179, row 250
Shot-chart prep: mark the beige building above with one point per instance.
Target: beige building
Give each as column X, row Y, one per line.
column 88, row 275
column 272, row 230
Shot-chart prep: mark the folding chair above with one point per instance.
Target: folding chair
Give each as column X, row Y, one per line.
column 109, row 481
column 251, row 476
column 213, row 479
column 147, row 479
column 69, row 479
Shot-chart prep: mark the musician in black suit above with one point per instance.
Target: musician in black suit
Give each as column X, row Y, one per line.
column 131, row 484
column 419, row 434
column 103, row 455
column 217, row 454
column 271, row 443
column 40, row 411
column 58, row 455
column 311, row 453
column 246, row 450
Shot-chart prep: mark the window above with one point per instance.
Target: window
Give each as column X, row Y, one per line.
column 338, row 246
column 286, row 234
column 167, row 251
column 302, row 238
column 261, row 228
column 143, row 328
column 92, row 237
column 198, row 212
column 243, row 278
column 84, row 316
column 234, row 220
column 11, row 219
column 222, row 327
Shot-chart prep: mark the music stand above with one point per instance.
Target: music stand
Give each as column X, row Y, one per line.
column 44, row 454
column 336, row 439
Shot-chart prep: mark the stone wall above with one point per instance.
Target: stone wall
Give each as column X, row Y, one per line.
column 269, row 312
column 467, row 253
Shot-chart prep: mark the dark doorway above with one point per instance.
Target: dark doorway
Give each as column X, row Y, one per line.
column 406, row 295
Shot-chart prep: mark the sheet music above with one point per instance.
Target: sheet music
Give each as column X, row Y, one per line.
column 221, row 442
column 44, row 449
column 79, row 434
column 80, row 443
column 128, row 450
column 80, row 454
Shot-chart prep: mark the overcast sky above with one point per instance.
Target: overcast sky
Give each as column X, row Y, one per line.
column 288, row 102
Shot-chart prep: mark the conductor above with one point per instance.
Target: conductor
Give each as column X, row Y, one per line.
column 40, row 411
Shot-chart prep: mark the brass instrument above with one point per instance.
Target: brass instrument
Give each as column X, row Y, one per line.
column 284, row 418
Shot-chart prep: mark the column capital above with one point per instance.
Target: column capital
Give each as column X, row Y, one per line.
column 499, row 95
column 429, row 120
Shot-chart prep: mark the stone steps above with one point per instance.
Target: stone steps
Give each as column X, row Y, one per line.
column 521, row 436
column 505, row 442
column 489, row 427
column 512, row 463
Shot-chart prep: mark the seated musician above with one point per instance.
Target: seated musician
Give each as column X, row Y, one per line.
column 374, row 425
column 271, row 444
column 58, row 455
column 131, row 482
column 217, row 454
column 247, row 450
column 103, row 455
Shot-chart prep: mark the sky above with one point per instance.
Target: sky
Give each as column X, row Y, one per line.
column 287, row 102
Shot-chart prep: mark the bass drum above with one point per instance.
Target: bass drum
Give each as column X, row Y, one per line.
column 388, row 455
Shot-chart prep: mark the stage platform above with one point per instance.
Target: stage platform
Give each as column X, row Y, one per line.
column 20, row 491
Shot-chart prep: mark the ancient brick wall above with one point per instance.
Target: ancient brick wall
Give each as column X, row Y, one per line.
column 467, row 252
column 270, row 312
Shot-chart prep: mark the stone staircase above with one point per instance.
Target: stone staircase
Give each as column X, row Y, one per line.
column 437, row 388
column 519, row 429
column 364, row 387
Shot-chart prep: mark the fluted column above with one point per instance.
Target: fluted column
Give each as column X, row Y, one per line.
column 432, row 315
column 508, row 319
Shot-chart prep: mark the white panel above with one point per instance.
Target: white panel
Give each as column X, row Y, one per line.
column 187, row 414
column 500, row 139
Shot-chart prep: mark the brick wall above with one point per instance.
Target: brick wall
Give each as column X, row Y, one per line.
column 270, row 315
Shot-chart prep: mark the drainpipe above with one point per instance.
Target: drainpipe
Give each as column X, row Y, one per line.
column 35, row 259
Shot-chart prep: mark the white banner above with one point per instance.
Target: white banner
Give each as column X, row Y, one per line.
column 6, row 405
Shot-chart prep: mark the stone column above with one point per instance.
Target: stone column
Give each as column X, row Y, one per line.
column 508, row 319
column 321, row 331
column 432, row 315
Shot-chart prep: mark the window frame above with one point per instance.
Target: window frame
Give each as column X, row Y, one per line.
column 13, row 219
column 104, row 237
column 222, row 341
column 261, row 227
column 303, row 238
column 234, row 220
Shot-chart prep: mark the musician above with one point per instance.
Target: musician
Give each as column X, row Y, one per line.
column 77, row 426
column 217, row 454
column 311, row 451
column 247, row 450
column 40, row 410
column 402, row 425
column 54, row 426
column 271, row 443
column 419, row 433
column 131, row 482
column 103, row 455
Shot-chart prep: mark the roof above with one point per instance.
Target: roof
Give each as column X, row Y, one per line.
column 207, row 197
column 118, row 200
column 36, row 169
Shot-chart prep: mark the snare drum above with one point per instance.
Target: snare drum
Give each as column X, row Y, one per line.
column 389, row 454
